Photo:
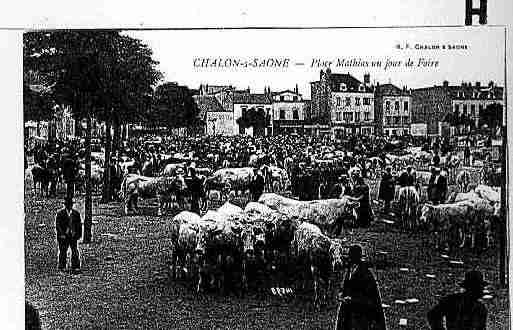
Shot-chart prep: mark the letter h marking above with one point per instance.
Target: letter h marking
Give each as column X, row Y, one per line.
column 481, row 11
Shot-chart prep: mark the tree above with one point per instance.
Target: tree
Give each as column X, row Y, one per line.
column 174, row 106
column 97, row 74
column 254, row 118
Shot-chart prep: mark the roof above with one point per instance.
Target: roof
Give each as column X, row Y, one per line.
column 207, row 103
column 250, row 98
column 466, row 92
column 390, row 90
column 353, row 84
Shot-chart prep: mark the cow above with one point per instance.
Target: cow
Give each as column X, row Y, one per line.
column 218, row 251
column 228, row 180
column 488, row 211
column 328, row 214
column 184, row 230
column 41, row 177
column 164, row 188
column 318, row 255
column 171, row 169
column 409, row 200
column 451, row 223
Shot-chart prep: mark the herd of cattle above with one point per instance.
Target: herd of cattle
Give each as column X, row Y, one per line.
column 278, row 234
column 273, row 235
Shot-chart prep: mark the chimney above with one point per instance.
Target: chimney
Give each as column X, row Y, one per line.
column 296, row 90
column 366, row 79
column 446, row 83
column 478, row 84
column 490, row 84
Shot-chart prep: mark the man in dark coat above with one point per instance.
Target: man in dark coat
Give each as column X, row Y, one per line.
column 461, row 310
column 196, row 189
column 69, row 173
column 361, row 193
column 257, row 186
column 360, row 302
column 68, row 226
column 387, row 189
column 437, row 187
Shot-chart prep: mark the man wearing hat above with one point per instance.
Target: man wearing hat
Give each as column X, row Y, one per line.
column 462, row 310
column 360, row 301
column 437, row 187
column 387, row 189
column 68, row 226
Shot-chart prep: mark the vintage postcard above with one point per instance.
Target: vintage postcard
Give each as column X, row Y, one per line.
column 266, row 178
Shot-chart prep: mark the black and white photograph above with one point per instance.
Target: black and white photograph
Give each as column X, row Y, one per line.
column 265, row 178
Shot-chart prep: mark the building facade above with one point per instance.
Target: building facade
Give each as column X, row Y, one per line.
column 432, row 105
column 392, row 110
column 288, row 115
column 344, row 103
column 244, row 101
column 215, row 104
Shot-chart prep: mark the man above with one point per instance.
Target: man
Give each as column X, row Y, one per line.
column 257, row 186
column 360, row 301
column 387, row 189
column 69, row 173
column 69, row 230
column 437, row 187
column 407, row 178
column 361, row 193
column 462, row 311
column 196, row 189
column 53, row 172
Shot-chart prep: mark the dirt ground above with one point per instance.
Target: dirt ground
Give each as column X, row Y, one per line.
column 125, row 282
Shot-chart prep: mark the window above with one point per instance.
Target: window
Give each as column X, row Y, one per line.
column 405, row 105
column 464, row 109
column 366, row 116
column 282, row 98
column 396, row 120
column 339, row 102
column 294, row 98
column 348, row 101
column 282, row 114
column 350, row 116
column 389, row 120
column 295, row 114
column 473, row 110
column 387, row 105
column 357, row 117
column 338, row 116
column 343, row 87
column 397, row 106
column 456, row 108
column 406, row 120
column 366, row 101
column 357, row 101
column 481, row 108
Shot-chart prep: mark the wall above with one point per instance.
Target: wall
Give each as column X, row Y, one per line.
column 223, row 123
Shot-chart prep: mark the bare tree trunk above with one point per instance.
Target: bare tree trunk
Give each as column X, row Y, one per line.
column 117, row 132
column 88, row 217
column 106, row 196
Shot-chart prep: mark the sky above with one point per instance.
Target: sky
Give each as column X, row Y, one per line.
column 482, row 59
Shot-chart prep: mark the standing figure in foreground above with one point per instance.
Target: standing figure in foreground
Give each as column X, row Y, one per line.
column 69, row 230
column 360, row 302
column 462, row 311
